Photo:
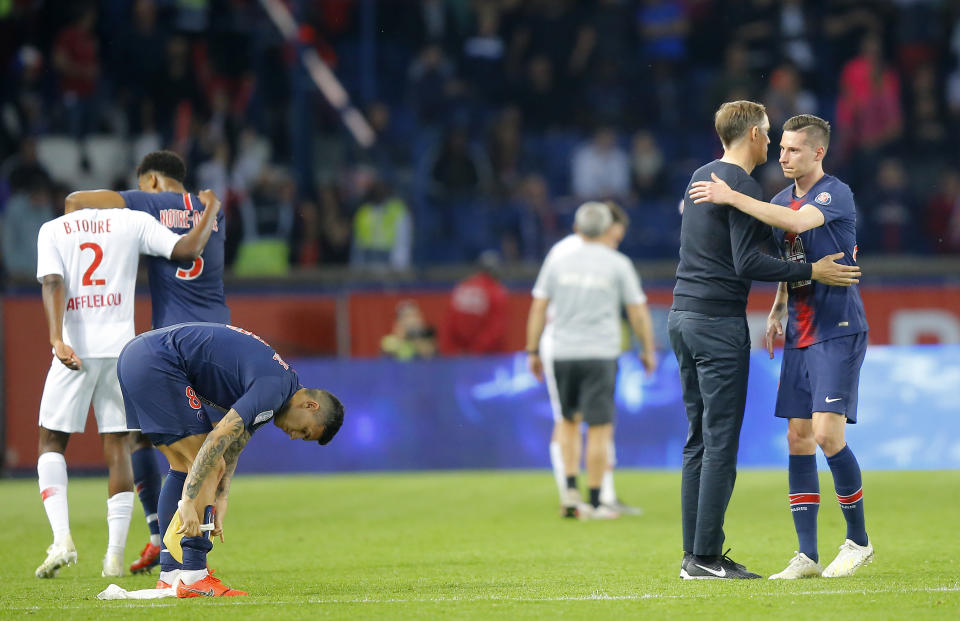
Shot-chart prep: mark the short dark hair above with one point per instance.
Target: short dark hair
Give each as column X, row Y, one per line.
column 619, row 214
column 816, row 129
column 334, row 417
column 166, row 163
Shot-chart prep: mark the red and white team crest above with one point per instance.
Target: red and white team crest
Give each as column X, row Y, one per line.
column 823, row 198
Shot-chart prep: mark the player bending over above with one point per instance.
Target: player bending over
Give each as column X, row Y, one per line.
column 167, row 376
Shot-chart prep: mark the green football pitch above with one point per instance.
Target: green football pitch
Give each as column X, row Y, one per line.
column 479, row 545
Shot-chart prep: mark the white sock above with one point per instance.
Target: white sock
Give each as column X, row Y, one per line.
column 52, row 476
column 608, row 495
column 192, row 575
column 154, row 539
column 170, row 577
column 119, row 512
column 559, row 473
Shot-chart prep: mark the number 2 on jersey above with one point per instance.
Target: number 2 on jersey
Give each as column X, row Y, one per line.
column 195, row 270
column 88, row 279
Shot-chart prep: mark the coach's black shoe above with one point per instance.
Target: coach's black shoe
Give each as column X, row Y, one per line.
column 687, row 557
column 723, row 568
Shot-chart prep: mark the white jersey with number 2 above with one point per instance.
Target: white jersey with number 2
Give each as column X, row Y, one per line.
column 96, row 251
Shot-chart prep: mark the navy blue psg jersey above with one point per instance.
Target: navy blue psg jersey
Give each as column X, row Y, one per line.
column 818, row 312
column 229, row 367
column 183, row 292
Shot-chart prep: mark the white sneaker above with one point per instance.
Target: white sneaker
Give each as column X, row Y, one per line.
column 800, row 566
column 57, row 556
column 112, row 566
column 851, row 558
column 571, row 503
column 602, row 512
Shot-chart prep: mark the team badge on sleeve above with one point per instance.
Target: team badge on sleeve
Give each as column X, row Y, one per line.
column 262, row 418
column 823, row 198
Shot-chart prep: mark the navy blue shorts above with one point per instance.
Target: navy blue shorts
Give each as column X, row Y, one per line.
column 157, row 395
column 823, row 377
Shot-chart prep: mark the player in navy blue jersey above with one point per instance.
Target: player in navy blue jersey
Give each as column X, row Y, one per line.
column 166, row 377
column 179, row 292
column 826, row 339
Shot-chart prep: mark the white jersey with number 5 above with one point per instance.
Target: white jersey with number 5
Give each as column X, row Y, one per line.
column 96, row 251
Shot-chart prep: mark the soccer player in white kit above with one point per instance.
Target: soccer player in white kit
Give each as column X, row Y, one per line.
column 608, row 494
column 87, row 264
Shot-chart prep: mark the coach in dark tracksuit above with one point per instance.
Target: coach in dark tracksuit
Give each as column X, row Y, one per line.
column 721, row 251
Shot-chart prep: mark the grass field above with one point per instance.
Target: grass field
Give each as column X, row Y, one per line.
column 478, row 545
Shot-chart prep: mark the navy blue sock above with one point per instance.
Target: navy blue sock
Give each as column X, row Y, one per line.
column 146, row 477
column 805, row 502
column 170, row 495
column 849, row 485
column 572, row 482
column 595, row 497
column 195, row 552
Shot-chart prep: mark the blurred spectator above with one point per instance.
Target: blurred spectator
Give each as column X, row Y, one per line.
column 889, row 218
column 175, row 90
column 476, row 316
column 543, row 105
column 600, row 169
column 214, row 174
column 139, row 56
column 411, row 337
column 785, row 96
column 484, row 54
column 505, row 148
column 23, row 171
column 25, row 213
column 458, row 171
column 432, row 84
column 663, row 28
column 647, row 166
column 537, row 226
column 390, row 153
column 25, row 111
column 267, row 213
column 735, row 82
column 943, row 214
column 797, row 25
column 382, row 231
column 928, row 135
column 869, row 116
column 76, row 57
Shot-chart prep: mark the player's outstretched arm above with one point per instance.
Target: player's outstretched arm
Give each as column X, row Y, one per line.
column 718, row 192
column 94, row 199
column 775, row 318
column 192, row 244
column 208, row 463
column 223, row 488
column 639, row 317
column 54, row 293
column 536, row 320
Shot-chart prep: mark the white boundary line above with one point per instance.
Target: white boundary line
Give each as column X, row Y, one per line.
column 497, row 598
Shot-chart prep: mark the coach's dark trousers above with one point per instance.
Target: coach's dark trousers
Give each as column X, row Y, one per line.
column 714, row 356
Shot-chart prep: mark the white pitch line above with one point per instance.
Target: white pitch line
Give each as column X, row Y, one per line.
column 497, row 598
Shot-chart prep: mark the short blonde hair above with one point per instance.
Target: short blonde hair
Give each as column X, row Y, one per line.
column 735, row 118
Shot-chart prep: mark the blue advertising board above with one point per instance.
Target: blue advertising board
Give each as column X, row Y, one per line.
column 490, row 412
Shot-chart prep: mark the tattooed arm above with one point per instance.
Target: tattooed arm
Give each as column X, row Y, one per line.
column 223, row 489
column 209, row 466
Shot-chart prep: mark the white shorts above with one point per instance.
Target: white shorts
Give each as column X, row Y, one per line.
column 67, row 396
column 546, row 357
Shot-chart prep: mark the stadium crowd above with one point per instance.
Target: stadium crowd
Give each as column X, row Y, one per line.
column 493, row 119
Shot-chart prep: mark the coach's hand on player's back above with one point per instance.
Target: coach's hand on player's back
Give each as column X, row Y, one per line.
column 66, row 355
column 829, row 272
